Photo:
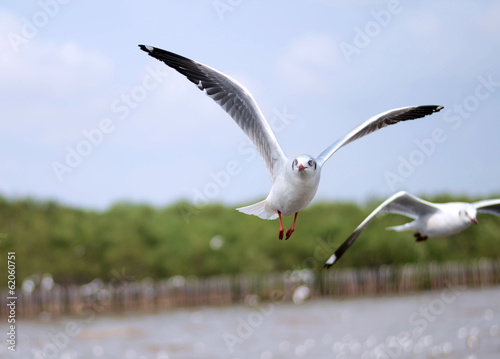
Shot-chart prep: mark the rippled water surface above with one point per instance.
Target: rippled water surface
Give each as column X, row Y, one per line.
column 452, row 323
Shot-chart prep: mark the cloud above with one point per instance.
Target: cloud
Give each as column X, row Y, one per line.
column 302, row 64
column 45, row 69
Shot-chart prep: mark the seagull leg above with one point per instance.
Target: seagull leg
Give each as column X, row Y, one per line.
column 292, row 228
column 419, row 237
column 280, row 235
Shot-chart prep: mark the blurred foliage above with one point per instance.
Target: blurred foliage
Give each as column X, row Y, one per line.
column 135, row 241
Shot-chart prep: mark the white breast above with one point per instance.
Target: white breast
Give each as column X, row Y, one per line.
column 292, row 193
column 443, row 223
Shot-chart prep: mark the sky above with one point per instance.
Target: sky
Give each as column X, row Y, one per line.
column 89, row 120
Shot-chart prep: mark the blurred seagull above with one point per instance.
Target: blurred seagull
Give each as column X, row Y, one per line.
column 430, row 219
column 294, row 181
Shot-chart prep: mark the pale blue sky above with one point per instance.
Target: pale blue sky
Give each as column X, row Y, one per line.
column 74, row 81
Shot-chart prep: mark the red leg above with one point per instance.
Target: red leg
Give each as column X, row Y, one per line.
column 280, row 236
column 292, row 228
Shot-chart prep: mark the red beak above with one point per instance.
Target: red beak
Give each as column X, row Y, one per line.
column 474, row 220
column 302, row 168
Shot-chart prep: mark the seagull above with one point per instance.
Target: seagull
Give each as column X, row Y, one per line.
column 430, row 219
column 294, row 181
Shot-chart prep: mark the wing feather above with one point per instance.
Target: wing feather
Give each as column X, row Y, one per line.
column 375, row 123
column 235, row 99
column 490, row 206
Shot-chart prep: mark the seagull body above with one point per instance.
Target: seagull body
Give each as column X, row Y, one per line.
column 294, row 181
column 292, row 190
column 430, row 219
column 441, row 220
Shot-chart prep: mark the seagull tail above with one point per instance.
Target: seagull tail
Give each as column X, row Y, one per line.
column 259, row 209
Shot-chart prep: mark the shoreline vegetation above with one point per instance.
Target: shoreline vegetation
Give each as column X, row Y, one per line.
column 58, row 246
column 75, row 246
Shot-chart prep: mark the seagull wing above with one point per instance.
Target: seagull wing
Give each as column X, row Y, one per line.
column 408, row 205
column 376, row 123
column 235, row 99
column 401, row 203
column 490, row 206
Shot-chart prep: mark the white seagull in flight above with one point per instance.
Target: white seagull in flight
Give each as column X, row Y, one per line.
column 294, row 181
column 430, row 219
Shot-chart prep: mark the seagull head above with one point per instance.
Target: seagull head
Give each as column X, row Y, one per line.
column 304, row 164
column 468, row 213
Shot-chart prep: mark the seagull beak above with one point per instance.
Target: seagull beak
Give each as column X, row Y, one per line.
column 302, row 168
column 474, row 220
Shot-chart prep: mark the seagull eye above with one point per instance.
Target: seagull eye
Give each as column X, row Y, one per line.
column 310, row 163
column 294, row 163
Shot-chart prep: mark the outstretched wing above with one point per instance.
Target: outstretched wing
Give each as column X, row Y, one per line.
column 376, row 123
column 401, row 203
column 233, row 98
column 490, row 206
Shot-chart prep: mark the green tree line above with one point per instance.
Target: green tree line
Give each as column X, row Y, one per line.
column 137, row 240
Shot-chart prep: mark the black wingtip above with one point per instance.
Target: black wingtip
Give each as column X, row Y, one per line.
column 429, row 109
column 331, row 261
column 146, row 48
column 412, row 113
column 435, row 108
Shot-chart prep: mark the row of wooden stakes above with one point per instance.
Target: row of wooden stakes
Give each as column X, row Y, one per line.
column 98, row 297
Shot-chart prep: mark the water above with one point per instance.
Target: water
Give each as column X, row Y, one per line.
column 452, row 323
